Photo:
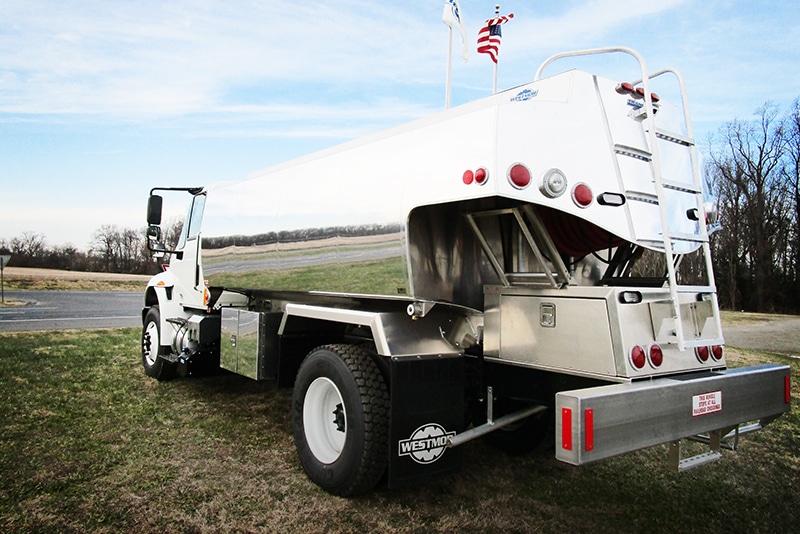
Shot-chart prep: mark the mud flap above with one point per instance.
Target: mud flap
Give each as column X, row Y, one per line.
column 427, row 407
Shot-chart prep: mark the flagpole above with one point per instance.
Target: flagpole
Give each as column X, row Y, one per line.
column 449, row 68
column 494, row 83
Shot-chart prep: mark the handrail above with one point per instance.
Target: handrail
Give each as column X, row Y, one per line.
column 590, row 52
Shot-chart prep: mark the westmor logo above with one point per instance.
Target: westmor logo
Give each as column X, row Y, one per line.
column 426, row 444
column 524, row 95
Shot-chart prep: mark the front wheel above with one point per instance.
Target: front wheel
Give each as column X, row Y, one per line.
column 340, row 415
column 155, row 367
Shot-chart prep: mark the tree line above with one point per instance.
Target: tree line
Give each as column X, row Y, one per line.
column 112, row 249
column 753, row 173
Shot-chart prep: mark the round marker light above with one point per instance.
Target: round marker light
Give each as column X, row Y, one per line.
column 554, row 183
column 481, row 176
column 638, row 357
column 468, row 177
column 702, row 354
column 716, row 352
column 656, row 356
column 582, row 195
column 519, row 176
column 625, row 88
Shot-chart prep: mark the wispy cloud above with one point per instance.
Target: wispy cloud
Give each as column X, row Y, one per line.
column 173, row 58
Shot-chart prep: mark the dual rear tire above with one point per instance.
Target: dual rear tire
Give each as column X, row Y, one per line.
column 340, row 419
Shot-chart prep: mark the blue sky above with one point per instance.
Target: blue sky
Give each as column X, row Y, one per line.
column 102, row 100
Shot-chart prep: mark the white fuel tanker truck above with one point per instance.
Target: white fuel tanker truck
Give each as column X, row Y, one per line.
column 511, row 267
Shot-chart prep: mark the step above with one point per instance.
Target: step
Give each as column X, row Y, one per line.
column 681, row 186
column 674, row 137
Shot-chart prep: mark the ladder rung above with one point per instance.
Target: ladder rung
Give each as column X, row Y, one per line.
column 694, row 238
column 633, row 152
column 694, row 343
column 673, row 137
column 681, row 186
column 641, row 196
column 695, row 289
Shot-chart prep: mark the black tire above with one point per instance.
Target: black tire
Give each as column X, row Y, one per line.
column 155, row 367
column 344, row 450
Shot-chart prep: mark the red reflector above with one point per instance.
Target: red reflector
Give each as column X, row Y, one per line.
column 655, row 97
column 468, row 177
column 637, row 357
column 588, row 419
column 519, row 176
column 716, row 352
column 566, row 429
column 639, row 92
column 656, row 356
column 702, row 354
column 582, row 195
column 481, row 176
column 787, row 390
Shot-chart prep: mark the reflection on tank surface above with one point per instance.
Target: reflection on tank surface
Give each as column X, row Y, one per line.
column 367, row 259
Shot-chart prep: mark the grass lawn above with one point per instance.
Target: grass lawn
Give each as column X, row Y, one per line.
column 88, row 443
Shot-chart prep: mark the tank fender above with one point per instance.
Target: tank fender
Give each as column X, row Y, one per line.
column 442, row 331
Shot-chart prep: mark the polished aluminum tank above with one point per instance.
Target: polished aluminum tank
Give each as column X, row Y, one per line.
column 388, row 214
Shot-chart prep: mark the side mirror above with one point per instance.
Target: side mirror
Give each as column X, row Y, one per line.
column 154, row 243
column 154, row 204
column 154, row 233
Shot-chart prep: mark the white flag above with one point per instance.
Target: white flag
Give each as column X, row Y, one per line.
column 452, row 16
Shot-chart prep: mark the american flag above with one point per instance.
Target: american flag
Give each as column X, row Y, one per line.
column 490, row 35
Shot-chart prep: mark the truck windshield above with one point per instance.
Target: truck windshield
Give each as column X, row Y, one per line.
column 191, row 225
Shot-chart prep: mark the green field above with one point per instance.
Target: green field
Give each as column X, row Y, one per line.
column 379, row 277
column 89, row 444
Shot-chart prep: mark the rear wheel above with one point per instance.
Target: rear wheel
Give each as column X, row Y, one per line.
column 340, row 416
column 155, row 367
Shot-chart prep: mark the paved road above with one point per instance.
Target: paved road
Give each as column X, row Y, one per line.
column 772, row 333
column 63, row 310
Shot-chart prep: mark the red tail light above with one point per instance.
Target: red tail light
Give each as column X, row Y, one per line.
column 519, row 176
column 656, row 356
column 481, row 176
column 638, row 357
column 716, row 352
column 702, row 354
column 582, row 195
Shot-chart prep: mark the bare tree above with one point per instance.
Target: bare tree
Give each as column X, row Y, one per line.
column 792, row 178
column 29, row 248
column 747, row 178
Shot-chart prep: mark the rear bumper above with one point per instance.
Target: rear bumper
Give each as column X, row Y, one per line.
column 600, row 422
